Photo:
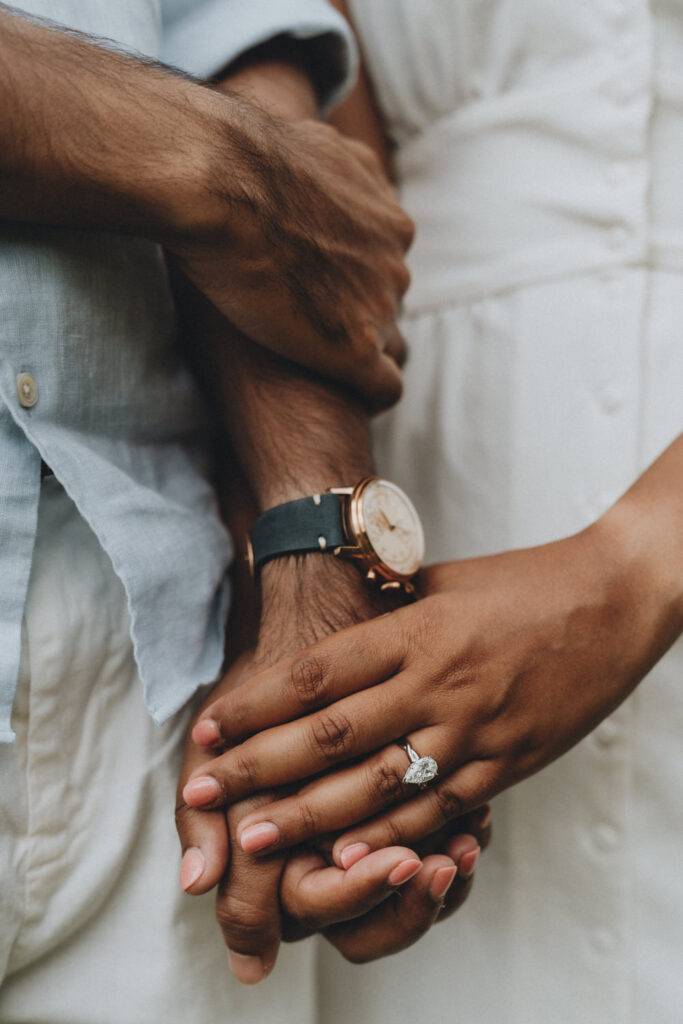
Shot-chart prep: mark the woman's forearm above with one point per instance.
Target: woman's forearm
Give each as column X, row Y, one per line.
column 358, row 116
column 644, row 531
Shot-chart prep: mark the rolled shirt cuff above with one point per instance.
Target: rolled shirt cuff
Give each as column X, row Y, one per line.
column 202, row 38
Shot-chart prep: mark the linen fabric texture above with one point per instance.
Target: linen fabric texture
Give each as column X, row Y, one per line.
column 539, row 148
column 94, row 928
column 90, row 317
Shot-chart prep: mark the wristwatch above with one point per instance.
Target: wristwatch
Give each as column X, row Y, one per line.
column 374, row 524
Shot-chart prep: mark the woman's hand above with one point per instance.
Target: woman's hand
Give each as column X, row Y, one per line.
column 261, row 902
column 510, row 662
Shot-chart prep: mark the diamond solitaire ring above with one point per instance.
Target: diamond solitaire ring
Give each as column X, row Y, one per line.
column 421, row 770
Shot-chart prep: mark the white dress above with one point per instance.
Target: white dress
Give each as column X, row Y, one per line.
column 540, row 151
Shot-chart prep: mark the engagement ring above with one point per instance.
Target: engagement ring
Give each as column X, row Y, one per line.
column 422, row 770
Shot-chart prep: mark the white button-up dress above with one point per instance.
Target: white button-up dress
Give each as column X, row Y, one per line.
column 540, row 150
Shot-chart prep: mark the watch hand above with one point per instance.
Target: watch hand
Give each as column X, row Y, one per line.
column 383, row 519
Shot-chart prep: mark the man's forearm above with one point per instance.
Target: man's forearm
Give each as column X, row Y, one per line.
column 293, row 436
column 251, row 207
column 293, row 433
column 73, row 115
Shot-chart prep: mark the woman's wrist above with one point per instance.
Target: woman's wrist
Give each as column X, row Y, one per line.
column 640, row 550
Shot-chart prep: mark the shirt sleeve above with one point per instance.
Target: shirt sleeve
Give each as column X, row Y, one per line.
column 203, row 36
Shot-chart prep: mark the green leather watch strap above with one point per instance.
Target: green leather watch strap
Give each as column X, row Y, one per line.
column 307, row 524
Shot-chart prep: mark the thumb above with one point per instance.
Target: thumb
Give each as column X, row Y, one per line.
column 203, row 835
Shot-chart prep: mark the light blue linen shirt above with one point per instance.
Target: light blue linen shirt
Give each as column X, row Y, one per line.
column 117, row 417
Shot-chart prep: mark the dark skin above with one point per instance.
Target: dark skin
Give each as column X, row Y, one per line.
column 249, row 205
column 507, row 663
column 293, row 435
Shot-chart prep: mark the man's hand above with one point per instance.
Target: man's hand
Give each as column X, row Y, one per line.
column 261, row 902
column 295, row 435
column 509, row 662
column 289, row 229
column 303, row 251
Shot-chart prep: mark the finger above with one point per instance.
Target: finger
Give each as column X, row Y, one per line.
column 203, row 837
column 395, row 345
column 368, row 158
column 462, row 840
column 248, row 909
column 334, row 802
column 459, row 793
column 317, row 896
column 288, row 753
column 477, row 824
column 464, row 851
column 380, row 383
column 399, row 921
column 343, row 663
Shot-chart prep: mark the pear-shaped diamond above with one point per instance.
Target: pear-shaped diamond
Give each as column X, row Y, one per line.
column 421, row 771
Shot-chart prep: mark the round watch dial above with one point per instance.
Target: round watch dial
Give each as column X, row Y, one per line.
column 393, row 527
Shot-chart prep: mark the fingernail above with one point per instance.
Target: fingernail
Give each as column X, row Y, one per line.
column 191, row 867
column 258, row 837
column 441, row 883
column 203, row 790
column 206, row 733
column 404, row 871
column 247, row 969
column 353, row 853
column 485, row 816
column 468, row 862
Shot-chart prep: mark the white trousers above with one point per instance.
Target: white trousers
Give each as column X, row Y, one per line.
column 94, row 928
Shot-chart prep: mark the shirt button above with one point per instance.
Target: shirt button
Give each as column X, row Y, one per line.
column 27, row 390
column 607, row 733
column 606, row 838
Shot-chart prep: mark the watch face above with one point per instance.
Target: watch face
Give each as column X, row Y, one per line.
column 393, row 527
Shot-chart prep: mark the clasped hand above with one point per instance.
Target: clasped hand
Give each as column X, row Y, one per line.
column 293, row 894
column 508, row 662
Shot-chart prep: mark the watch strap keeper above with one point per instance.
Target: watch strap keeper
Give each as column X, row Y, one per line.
column 307, row 524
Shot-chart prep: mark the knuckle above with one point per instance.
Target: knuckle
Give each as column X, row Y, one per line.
column 332, row 735
column 447, row 803
column 385, row 299
column 309, row 820
column 246, row 926
column 182, row 815
column 366, row 342
column 247, row 771
column 356, row 956
column 406, row 228
column 308, row 678
column 386, row 781
column 231, row 715
column 403, row 278
column 393, row 833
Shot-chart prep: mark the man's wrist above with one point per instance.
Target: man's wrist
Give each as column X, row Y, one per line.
column 307, row 597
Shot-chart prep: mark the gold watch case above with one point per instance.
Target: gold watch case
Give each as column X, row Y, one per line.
column 360, row 523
